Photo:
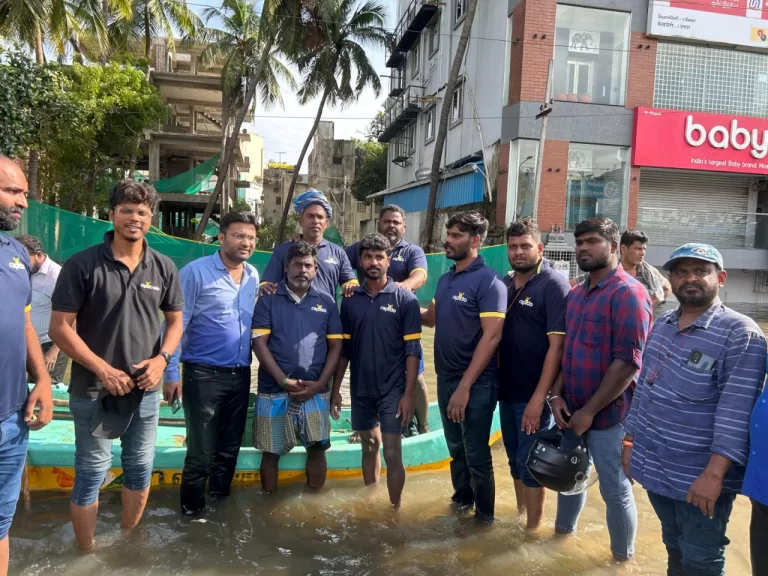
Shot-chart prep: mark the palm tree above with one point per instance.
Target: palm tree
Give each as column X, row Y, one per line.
column 343, row 34
column 442, row 129
column 277, row 30
column 150, row 19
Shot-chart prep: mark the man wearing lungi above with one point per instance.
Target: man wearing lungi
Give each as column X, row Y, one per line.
column 297, row 338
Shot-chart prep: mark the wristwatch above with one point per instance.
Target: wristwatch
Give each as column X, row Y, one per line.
column 166, row 357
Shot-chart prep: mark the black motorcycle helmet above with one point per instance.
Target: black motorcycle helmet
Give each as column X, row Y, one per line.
column 559, row 460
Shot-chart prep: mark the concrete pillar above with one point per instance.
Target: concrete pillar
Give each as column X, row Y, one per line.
column 751, row 226
column 154, row 162
column 193, row 119
column 193, row 64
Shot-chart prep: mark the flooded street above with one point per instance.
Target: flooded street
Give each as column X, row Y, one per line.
column 346, row 529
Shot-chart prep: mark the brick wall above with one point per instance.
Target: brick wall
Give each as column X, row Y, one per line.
column 537, row 52
column 516, row 54
column 642, row 70
column 502, row 179
column 554, row 177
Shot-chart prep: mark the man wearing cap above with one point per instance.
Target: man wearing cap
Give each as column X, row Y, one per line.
column 408, row 269
column 115, row 291
column 333, row 269
column 687, row 439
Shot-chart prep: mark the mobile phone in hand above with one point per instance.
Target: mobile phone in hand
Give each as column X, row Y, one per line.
column 175, row 405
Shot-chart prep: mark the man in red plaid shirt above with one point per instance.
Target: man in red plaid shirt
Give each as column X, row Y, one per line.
column 607, row 321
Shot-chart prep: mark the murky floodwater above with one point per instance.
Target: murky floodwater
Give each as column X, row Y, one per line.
column 346, row 529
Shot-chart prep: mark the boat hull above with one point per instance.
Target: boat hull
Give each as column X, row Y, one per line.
column 52, row 451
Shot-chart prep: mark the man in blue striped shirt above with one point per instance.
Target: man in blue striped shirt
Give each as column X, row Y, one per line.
column 219, row 295
column 687, row 438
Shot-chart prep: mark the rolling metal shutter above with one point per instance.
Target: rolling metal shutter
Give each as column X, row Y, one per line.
column 675, row 207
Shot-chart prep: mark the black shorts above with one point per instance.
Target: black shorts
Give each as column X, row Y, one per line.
column 369, row 412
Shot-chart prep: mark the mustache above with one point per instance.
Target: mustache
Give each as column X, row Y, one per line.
column 373, row 268
column 691, row 285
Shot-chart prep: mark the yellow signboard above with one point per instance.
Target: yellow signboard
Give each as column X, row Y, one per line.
column 280, row 166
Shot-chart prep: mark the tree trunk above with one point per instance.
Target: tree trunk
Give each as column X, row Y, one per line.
column 147, row 43
column 294, row 179
column 33, row 166
column 229, row 148
column 442, row 129
column 105, row 17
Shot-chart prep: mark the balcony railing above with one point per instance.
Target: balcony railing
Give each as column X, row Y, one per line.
column 414, row 20
column 674, row 227
column 400, row 112
column 396, row 82
column 402, row 149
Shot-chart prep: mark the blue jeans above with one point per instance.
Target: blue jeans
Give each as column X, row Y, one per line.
column 516, row 442
column 471, row 462
column 695, row 543
column 93, row 456
column 616, row 490
column 14, row 437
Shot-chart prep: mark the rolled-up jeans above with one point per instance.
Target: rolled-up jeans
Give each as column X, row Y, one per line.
column 93, row 456
column 471, row 461
column 215, row 409
column 620, row 510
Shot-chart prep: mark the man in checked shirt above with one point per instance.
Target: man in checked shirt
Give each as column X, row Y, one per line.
column 606, row 324
column 687, row 438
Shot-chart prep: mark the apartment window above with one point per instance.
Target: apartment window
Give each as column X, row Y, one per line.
column 410, row 138
column 597, row 183
column 591, row 55
column 522, row 176
column 278, row 200
column 457, row 104
column 429, row 124
column 338, row 160
column 415, row 59
column 707, row 79
column 434, row 34
column 461, row 10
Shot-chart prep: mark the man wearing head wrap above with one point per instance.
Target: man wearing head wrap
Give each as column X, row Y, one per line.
column 334, row 268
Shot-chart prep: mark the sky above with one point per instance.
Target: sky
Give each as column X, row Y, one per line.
column 286, row 129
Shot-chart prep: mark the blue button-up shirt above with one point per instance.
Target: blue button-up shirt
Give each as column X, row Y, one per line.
column 756, row 478
column 694, row 398
column 217, row 315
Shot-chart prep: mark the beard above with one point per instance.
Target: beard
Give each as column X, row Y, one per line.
column 703, row 297
column 7, row 221
column 523, row 268
column 595, row 264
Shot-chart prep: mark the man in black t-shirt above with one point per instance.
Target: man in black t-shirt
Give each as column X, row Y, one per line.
column 114, row 291
column 529, row 356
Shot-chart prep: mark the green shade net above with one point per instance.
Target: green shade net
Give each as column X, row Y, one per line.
column 63, row 234
column 191, row 181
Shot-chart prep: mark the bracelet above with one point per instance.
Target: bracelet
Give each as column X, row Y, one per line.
column 284, row 383
column 549, row 400
column 627, row 443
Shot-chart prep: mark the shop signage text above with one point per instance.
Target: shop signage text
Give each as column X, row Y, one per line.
column 699, row 141
column 733, row 22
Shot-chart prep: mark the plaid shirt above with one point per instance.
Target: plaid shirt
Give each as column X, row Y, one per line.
column 603, row 323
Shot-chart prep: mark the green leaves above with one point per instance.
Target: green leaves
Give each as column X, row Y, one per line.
column 371, row 177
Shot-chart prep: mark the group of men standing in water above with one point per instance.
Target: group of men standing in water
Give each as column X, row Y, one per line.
column 664, row 403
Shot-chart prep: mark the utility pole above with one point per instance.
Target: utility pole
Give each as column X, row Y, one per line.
column 546, row 108
column 280, row 160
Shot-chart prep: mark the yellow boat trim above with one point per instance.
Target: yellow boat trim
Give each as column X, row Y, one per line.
column 63, row 478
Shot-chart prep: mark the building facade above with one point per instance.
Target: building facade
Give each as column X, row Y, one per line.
column 658, row 121
column 277, row 181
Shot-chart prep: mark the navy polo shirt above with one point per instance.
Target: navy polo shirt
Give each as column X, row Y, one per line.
column 333, row 267
column 298, row 333
column 533, row 313
column 379, row 333
column 16, row 290
column 461, row 300
column 405, row 258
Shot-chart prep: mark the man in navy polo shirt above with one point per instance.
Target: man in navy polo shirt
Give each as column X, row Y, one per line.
column 297, row 338
column 382, row 340
column 529, row 356
column 19, row 353
column 408, row 268
column 334, row 268
column 468, row 315
column 607, row 322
